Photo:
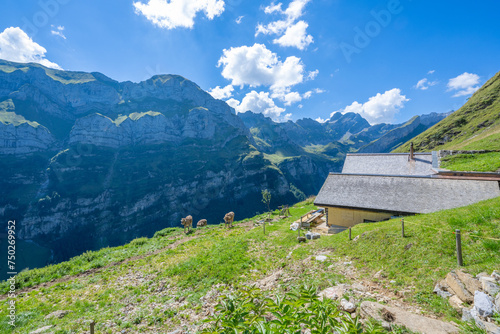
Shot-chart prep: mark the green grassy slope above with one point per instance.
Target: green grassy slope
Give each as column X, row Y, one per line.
column 475, row 126
column 152, row 285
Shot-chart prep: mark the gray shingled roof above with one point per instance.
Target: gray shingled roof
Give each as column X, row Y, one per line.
column 388, row 164
column 403, row 194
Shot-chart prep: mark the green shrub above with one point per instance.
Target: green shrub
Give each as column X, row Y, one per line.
column 249, row 311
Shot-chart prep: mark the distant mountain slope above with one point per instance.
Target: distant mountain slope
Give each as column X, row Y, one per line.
column 395, row 137
column 474, row 126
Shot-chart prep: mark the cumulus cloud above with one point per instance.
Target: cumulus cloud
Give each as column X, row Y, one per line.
column 321, row 120
column 288, row 97
column 431, row 71
column 464, row 84
column 291, row 33
column 259, row 103
column 379, row 108
column 312, row 75
column 170, row 14
column 58, row 31
column 233, row 103
column 424, row 84
column 222, row 93
column 296, row 36
column 17, row 46
column 239, row 19
column 256, row 65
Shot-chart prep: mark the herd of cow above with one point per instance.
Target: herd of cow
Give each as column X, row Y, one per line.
column 188, row 222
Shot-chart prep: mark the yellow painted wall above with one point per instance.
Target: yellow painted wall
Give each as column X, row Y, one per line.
column 351, row 217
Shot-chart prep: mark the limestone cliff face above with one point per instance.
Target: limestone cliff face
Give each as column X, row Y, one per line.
column 24, row 139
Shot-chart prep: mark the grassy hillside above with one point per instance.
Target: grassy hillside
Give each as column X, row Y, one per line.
column 158, row 284
column 475, row 126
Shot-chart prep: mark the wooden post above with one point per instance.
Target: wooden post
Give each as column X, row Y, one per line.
column 92, row 324
column 403, row 227
column 298, row 231
column 350, row 238
column 459, row 248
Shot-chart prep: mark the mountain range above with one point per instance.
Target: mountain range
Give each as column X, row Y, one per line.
column 89, row 162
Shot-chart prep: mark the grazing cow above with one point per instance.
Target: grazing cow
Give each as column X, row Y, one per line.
column 201, row 223
column 187, row 223
column 229, row 218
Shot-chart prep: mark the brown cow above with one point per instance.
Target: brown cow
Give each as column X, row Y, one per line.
column 229, row 218
column 187, row 223
column 201, row 223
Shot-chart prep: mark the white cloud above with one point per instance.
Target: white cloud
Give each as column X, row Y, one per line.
column 295, row 35
column 239, row 19
column 222, row 93
column 295, row 9
column 256, row 65
column 464, row 84
column 287, row 117
column 290, row 33
column 312, row 75
column 58, row 31
column 289, row 97
column 321, row 120
column 431, row 71
column 319, row 90
column 307, row 94
column 424, row 84
column 258, row 103
column 17, row 46
column 171, row 14
column 273, row 8
column 379, row 108
column 233, row 103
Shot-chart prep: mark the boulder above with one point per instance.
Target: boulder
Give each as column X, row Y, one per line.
column 496, row 275
column 471, row 284
column 489, row 327
column 456, row 303
column 467, row 315
column 334, row 292
column 497, row 303
column 441, row 291
column 483, row 304
column 57, row 314
column 413, row 322
column 347, row 306
column 458, row 287
column 481, row 274
column 490, row 288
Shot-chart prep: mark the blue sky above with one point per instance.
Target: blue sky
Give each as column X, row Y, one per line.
column 387, row 60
